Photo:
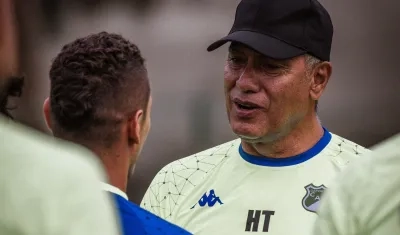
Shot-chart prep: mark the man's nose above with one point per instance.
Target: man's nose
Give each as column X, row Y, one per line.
column 248, row 81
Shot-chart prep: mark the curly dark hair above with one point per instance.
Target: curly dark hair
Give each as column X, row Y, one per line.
column 95, row 82
column 10, row 87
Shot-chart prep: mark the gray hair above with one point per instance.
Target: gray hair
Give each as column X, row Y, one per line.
column 311, row 62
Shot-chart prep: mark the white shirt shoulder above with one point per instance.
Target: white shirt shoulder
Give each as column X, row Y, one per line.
column 50, row 187
column 177, row 179
column 365, row 198
column 343, row 151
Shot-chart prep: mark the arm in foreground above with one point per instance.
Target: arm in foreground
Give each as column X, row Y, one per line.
column 332, row 216
column 85, row 207
column 337, row 214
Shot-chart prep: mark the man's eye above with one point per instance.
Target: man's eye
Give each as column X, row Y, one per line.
column 232, row 59
column 236, row 60
column 270, row 66
column 273, row 69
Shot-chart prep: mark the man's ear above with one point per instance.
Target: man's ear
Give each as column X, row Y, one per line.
column 47, row 113
column 135, row 127
column 320, row 77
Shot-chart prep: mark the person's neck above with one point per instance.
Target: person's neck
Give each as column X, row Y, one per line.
column 303, row 137
column 117, row 179
column 116, row 169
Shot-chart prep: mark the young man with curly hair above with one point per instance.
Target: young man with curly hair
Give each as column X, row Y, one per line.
column 100, row 98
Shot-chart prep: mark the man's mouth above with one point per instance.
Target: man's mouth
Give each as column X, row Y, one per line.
column 246, row 105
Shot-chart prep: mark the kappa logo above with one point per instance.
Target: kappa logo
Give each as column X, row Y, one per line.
column 313, row 196
column 211, row 199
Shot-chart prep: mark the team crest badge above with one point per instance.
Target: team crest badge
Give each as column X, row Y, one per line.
column 313, row 196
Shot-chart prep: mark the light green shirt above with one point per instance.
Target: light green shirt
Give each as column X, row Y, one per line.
column 48, row 187
column 224, row 191
column 365, row 199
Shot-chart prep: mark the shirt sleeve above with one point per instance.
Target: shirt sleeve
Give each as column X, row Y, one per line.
column 336, row 213
column 157, row 197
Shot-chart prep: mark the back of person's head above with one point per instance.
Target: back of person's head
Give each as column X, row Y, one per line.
column 99, row 92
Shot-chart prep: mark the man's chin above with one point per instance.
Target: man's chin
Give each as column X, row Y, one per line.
column 253, row 136
column 247, row 135
column 250, row 139
column 247, row 131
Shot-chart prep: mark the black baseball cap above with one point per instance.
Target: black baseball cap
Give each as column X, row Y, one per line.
column 282, row 29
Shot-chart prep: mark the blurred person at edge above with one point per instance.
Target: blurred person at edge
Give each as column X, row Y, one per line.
column 47, row 187
column 100, row 98
column 365, row 198
column 270, row 179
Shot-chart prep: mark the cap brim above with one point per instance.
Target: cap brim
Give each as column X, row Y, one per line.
column 264, row 44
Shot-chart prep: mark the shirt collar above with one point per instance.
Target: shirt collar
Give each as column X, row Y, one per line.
column 112, row 189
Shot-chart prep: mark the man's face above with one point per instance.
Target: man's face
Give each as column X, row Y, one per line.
column 265, row 98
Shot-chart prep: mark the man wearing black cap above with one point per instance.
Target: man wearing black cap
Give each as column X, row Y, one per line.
column 272, row 178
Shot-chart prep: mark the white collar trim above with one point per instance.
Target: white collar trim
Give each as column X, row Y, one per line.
column 112, row 189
